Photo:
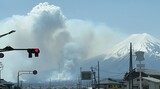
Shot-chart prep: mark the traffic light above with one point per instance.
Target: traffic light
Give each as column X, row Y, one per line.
column 1, row 55
column 35, row 72
column 33, row 51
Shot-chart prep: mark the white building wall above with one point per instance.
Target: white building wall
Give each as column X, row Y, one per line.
column 152, row 85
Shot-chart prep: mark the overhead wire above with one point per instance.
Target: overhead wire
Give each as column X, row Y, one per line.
column 120, row 63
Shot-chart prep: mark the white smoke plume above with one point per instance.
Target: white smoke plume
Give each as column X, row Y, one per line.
column 63, row 43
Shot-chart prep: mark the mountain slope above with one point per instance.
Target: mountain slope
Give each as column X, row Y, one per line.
column 116, row 62
column 140, row 42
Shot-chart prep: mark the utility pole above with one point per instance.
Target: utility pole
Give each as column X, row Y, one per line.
column 130, row 69
column 140, row 77
column 98, row 76
column 94, row 81
column 80, row 80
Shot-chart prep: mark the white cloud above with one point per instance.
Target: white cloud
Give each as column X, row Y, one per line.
column 63, row 43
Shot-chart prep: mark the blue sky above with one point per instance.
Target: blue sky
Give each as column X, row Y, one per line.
column 128, row 16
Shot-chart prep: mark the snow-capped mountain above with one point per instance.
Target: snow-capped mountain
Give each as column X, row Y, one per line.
column 116, row 63
column 140, row 42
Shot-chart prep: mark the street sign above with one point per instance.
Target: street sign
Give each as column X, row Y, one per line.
column 140, row 67
column 139, row 55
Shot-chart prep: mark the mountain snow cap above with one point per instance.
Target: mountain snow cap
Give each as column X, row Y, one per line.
column 140, row 42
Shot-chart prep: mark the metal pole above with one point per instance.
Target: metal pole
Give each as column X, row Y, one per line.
column 140, row 77
column 18, row 80
column 24, row 72
column 1, row 68
column 0, row 76
column 140, row 57
column 21, row 84
column 7, row 33
column 94, row 81
column 130, row 69
column 80, row 81
column 98, row 75
column 130, row 62
column 92, row 76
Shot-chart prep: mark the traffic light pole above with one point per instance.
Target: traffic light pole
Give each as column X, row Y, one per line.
column 9, row 48
column 24, row 72
column 1, row 68
column 31, row 51
column 7, row 33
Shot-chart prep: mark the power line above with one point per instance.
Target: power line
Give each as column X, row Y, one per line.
column 111, row 72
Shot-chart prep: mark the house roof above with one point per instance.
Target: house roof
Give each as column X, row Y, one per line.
column 109, row 81
column 145, row 73
column 3, row 82
column 152, row 72
column 151, row 79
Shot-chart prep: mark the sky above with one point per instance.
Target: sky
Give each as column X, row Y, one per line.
column 70, row 32
column 128, row 16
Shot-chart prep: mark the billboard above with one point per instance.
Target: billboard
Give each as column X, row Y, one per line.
column 86, row 75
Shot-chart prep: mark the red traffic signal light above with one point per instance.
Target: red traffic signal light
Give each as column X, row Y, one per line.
column 36, row 51
column 33, row 51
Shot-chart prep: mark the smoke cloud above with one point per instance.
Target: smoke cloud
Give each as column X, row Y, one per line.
column 63, row 43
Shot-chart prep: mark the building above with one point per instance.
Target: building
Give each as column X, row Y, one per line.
column 110, row 83
column 5, row 85
column 150, row 79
